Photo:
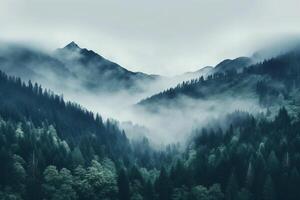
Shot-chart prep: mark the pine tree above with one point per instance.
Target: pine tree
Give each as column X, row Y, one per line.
column 123, row 185
column 249, row 176
column 268, row 190
column 294, row 183
column 232, row 188
column 244, row 194
column 163, row 186
column 77, row 157
column 273, row 163
column 149, row 191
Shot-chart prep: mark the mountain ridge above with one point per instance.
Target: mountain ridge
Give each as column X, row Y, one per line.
column 271, row 82
column 68, row 65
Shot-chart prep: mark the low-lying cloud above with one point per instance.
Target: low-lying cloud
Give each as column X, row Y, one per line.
column 171, row 122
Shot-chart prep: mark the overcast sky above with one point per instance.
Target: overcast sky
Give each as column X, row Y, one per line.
column 155, row 36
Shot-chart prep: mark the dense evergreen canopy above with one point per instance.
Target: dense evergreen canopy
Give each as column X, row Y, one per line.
column 52, row 149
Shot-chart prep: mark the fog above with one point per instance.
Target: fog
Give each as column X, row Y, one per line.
column 169, row 124
column 156, row 37
column 172, row 121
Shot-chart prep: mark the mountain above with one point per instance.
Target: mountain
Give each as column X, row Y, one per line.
column 271, row 82
column 73, row 67
column 70, row 67
column 97, row 72
column 192, row 87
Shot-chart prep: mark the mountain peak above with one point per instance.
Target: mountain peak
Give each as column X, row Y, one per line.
column 72, row 46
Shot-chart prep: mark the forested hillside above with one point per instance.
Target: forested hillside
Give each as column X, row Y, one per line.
column 42, row 138
column 274, row 82
column 254, row 158
column 22, row 102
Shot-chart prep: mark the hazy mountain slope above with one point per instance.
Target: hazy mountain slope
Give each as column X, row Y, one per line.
column 278, row 78
column 236, row 64
column 98, row 72
column 226, row 65
column 70, row 67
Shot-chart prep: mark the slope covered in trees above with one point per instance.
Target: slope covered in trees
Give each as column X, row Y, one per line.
column 42, row 138
column 22, row 102
column 273, row 82
column 254, row 158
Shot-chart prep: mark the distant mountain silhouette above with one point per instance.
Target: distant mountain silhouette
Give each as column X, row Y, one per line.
column 98, row 72
column 72, row 65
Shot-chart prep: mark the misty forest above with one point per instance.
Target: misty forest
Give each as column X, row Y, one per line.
column 176, row 101
column 56, row 149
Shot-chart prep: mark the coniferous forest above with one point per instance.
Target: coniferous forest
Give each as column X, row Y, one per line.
column 52, row 149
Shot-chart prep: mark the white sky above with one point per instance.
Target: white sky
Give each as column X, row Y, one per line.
column 158, row 36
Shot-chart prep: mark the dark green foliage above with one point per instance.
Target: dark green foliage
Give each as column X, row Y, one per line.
column 163, row 186
column 232, row 188
column 74, row 124
column 253, row 168
column 123, row 184
column 51, row 149
column 269, row 191
column 39, row 129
